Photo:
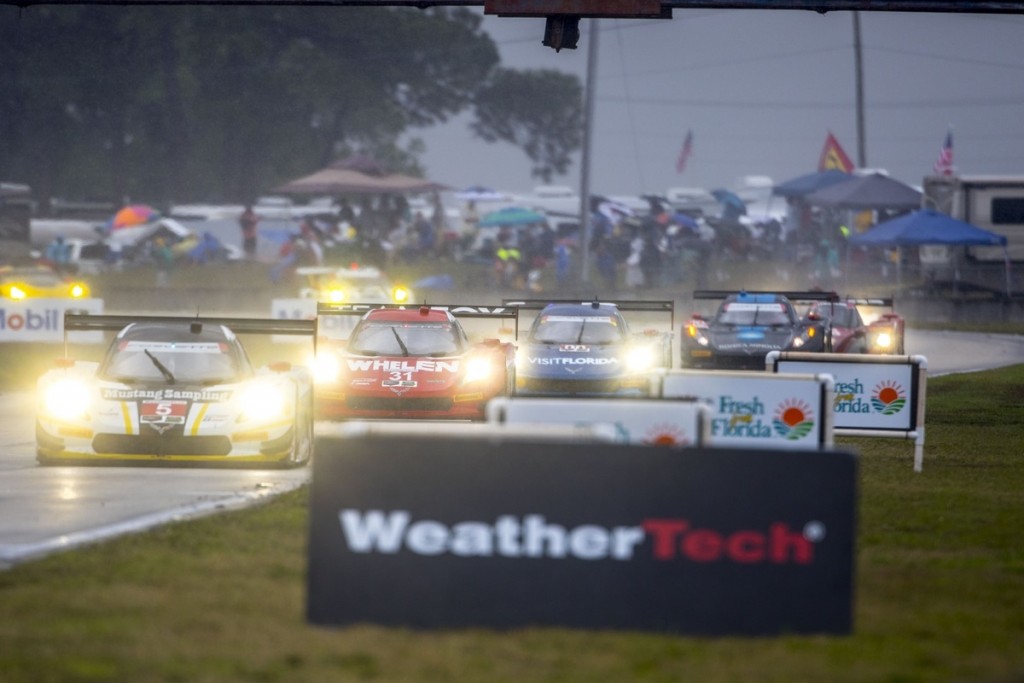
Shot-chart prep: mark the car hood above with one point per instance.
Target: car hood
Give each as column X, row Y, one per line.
column 570, row 361
column 401, row 373
column 751, row 338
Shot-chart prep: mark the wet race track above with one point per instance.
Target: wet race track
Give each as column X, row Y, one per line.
column 46, row 509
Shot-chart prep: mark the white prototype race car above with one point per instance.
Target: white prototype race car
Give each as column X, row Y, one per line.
column 176, row 390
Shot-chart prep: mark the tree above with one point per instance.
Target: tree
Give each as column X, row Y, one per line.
column 211, row 103
column 540, row 111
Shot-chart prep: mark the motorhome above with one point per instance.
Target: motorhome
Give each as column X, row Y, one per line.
column 995, row 203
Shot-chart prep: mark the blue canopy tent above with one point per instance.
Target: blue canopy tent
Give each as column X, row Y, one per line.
column 927, row 226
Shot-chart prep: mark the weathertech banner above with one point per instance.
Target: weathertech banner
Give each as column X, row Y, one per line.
column 485, row 532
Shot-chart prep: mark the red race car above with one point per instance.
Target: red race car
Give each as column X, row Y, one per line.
column 412, row 362
column 851, row 334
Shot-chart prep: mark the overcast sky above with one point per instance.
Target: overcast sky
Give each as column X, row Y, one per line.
column 760, row 90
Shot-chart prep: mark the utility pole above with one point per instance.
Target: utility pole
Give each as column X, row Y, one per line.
column 858, row 60
column 588, row 129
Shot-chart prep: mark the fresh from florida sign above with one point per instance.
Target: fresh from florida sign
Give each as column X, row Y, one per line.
column 871, row 392
column 758, row 410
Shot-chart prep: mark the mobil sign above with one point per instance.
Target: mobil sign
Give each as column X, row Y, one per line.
column 42, row 320
column 494, row 531
column 757, row 409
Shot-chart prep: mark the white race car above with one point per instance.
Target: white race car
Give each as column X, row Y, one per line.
column 179, row 390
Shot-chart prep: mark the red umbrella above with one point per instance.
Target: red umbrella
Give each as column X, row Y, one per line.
column 134, row 214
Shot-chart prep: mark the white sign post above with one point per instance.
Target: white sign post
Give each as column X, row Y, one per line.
column 875, row 395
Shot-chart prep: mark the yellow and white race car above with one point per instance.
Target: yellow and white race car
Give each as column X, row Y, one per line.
column 176, row 390
column 39, row 282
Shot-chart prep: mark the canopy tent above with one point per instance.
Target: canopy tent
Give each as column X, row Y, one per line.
column 357, row 175
column 512, row 215
column 810, row 182
column 927, row 226
column 869, row 192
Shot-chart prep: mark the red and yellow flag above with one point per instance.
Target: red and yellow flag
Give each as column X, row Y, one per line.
column 833, row 156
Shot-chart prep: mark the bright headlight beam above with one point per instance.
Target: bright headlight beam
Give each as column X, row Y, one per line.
column 67, row 399
column 262, row 402
column 325, row 368
column 639, row 359
column 477, row 369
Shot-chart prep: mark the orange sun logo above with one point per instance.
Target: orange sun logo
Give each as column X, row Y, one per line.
column 889, row 397
column 793, row 419
column 665, row 434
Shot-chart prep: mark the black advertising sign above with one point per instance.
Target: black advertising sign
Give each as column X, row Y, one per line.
column 480, row 532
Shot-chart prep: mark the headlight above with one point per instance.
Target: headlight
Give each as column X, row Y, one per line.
column 67, row 399
column 883, row 340
column 639, row 358
column 798, row 342
column 17, row 292
column 694, row 333
column 78, row 290
column 335, row 295
column 400, row 295
column 325, row 368
column 262, row 402
column 477, row 370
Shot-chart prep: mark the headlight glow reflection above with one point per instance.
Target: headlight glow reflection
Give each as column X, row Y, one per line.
column 477, row 369
column 325, row 368
column 640, row 358
column 67, row 399
column 262, row 402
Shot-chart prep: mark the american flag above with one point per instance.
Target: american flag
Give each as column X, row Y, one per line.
column 944, row 164
column 685, row 152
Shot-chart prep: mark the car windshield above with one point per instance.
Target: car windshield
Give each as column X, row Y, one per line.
column 385, row 338
column 577, row 329
column 841, row 316
column 190, row 362
column 743, row 313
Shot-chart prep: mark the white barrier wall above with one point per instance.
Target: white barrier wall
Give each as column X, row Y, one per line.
column 758, row 410
column 875, row 395
column 330, row 326
column 42, row 320
column 635, row 421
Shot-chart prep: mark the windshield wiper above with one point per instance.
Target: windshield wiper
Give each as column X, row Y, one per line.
column 405, row 349
column 160, row 366
column 583, row 326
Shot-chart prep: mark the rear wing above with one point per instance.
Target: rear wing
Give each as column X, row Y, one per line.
column 469, row 311
column 889, row 302
column 80, row 322
column 791, row 295
column 649, row 306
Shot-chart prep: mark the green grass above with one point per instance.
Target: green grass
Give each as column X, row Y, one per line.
column 939, row 591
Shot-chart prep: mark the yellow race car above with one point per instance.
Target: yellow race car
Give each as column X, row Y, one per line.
column 176, row 390
column 18, row 283
column 364, row 284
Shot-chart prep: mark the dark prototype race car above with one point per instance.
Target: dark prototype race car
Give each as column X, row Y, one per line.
column 176, row 390
column 849, row 333
column 749, row 325
column 412, row 362
column 579, row 348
